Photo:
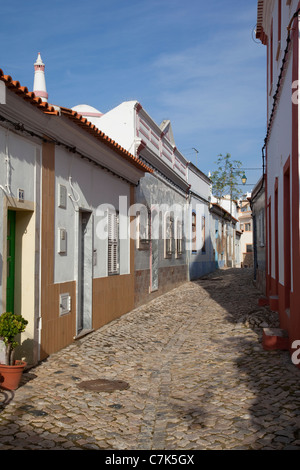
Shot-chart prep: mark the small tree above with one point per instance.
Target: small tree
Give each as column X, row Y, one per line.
column 10, row 326
column 225, row 178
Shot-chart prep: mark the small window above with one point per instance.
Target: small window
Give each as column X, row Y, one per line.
column 169, row 235
column 249, row 248
column 143, row 229
column 179, row 232
column 271, row 52
column 261, row 220
column 248, row 227
column 113, row 243
column 194, row 235
column 203, row 234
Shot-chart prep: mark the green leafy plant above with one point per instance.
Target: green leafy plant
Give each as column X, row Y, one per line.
column 10, row 326
column 225, row 178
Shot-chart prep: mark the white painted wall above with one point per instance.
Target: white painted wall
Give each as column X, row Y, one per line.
column 20, row 169
column 225, row 203
column 119, row 124
column 87, row 187
column 128, row 127
column 198, row 184
column 280, row 141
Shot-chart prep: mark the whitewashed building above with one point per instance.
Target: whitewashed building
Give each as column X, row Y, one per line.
column 278, row 30
column 202, row 236
column 165, row 258
column 66, row 260
column 245, row 218
column 225, row 232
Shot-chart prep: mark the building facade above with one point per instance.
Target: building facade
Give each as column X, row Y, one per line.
column 224, row 233
column 259, row 230
column 171, row 196
column 201, row 252
column 278, row 30
column 244, row 215
column 67, row 260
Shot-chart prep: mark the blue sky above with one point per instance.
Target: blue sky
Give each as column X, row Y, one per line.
column 194, row 62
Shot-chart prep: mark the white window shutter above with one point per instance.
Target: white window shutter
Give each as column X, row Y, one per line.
column 113, row 243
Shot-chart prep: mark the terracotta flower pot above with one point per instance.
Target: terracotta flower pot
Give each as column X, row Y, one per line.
column 10, row 376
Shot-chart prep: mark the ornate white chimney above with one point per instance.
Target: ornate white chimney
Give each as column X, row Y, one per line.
column 39, row 84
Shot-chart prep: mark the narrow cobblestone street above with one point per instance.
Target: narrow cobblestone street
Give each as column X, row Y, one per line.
column 197, row 379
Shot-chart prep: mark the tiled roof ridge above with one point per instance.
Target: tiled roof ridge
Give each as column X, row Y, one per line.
column 22, row 91
column 47, row 108
column 83, row 122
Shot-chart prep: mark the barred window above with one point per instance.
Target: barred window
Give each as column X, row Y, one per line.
column 203, row 234
column 179, row 236
column 261, row 227
column 143, row 229
column 169, row 235
column 113, row 243
column 194, row 236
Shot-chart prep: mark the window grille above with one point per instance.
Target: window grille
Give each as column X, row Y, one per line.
column 203, row 234
column 194, row 237
column 179, row 244
column 143, row 229
column 113, row 243
column 169, row 235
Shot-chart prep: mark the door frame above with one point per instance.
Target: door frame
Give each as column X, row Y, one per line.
column 87, row 314
column 10, row 280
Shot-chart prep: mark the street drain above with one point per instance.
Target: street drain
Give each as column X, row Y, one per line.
column 103, row 385
column 30, row 409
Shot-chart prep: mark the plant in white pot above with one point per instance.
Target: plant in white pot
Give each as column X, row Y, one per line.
column 10, row 326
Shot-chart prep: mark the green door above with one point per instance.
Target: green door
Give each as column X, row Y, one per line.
column 11, row 236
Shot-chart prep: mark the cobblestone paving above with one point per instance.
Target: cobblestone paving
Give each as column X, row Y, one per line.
column 198, row 379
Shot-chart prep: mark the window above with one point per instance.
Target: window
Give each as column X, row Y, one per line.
column 271, row 58
column 279, row 21
column 169, row 235
column 249, row 248
column 179, row 232
column 279, row 30
column 261, row 227
column 113, row 243
column 248, row 227
column 194, row 236
column 143, row 229
column 203, row 234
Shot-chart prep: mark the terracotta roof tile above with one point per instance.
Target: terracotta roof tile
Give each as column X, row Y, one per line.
column 47, row 108
column 87, row 125
column 22, row 91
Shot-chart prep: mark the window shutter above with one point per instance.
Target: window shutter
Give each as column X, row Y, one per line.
column 144, row 228
column 178, row 237
column 194, row 236
column 113, row 243
column 203, row 234
column 169, row 235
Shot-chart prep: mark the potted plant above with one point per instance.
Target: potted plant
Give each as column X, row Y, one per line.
column 11, row 372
